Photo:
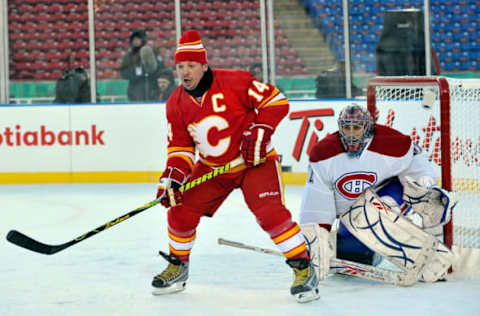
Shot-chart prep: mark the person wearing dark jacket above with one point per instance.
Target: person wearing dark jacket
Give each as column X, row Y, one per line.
column 141, row 67
column 73, row 87
column 166, row 84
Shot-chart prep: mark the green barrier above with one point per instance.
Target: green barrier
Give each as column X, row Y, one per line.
column 27, row 92
column 116, row 90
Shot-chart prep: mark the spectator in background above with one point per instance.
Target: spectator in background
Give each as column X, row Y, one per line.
column 11, row 99
column 166, row 84
column 332, row 83
column 73, row 87
column 141, row 67
column 256, row 70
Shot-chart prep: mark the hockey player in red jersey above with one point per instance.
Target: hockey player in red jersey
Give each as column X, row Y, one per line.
column 224, row 116
column 370, row 176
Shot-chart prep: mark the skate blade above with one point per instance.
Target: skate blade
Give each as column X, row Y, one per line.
column 176, row 287
column 306, row 297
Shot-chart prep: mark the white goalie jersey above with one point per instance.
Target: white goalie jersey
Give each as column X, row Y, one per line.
column 336, row 180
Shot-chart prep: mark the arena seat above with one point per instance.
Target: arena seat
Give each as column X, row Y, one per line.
column 57, row 26
column 452, row 22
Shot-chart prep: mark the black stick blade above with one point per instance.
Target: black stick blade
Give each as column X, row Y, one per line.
column 19, row 239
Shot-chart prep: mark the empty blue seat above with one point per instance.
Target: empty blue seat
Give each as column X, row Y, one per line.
column 471, row 27
column 463, row 37
column 447, row 57
column 366, row 58
column 440, row 47
column 472, row 9
column 475, row 55
column 371, row 67
column 464, row 57
column 455, row 29
column 455, row 47
column 447, row 66
column 473, row 65
column 472, row 46
column 360, row 67
column 371, row 38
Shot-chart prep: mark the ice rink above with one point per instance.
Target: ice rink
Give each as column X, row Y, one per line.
column 110, row 273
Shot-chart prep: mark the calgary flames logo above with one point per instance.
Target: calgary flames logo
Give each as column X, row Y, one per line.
column 351, row 185
column 200, row 134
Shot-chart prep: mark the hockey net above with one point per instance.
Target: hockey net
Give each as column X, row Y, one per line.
column 435, row 111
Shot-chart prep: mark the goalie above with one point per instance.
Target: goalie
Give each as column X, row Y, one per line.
column 373, row 178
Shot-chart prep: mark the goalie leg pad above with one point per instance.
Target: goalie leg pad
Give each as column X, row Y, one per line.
column 442, row 260
column 390, row 235
column 321, row 245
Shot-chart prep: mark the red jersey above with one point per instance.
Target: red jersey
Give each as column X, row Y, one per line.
column 214, row 125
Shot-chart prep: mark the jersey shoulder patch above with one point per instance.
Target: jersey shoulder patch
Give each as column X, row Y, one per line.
column 328, row 147
column 390, row 142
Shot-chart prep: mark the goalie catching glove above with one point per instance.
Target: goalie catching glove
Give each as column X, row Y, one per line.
column 168, row 187
column 434, row 205
column 254, row 144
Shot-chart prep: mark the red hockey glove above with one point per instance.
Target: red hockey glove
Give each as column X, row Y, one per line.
column 254, row 144
column 168, row 187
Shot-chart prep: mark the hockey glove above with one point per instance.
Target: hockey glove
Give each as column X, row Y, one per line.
column 168, row 187
column 254, row 144
column 435, row 205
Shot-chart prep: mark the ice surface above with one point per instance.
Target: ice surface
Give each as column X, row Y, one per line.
column 110, row 273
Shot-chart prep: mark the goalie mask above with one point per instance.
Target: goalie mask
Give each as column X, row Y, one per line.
column 355, row 125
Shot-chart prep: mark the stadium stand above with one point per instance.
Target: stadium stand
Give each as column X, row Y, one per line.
column 44, row 33
column 454, row 25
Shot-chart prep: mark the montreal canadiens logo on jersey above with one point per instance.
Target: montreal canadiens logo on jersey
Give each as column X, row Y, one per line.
column 351, row 185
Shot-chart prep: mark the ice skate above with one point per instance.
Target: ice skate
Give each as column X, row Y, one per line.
column 173, row 278
column 305, row 285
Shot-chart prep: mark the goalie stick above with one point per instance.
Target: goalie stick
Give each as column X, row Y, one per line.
column 22, row 240
column 342, row 266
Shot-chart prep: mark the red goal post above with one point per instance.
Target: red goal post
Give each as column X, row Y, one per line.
column 436, row 111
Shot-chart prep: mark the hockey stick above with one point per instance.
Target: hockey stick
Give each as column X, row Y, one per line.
column 342, row 266
column 22, row 240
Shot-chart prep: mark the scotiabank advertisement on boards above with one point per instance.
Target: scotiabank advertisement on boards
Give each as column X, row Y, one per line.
column 82, row 138
column 122, row 138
